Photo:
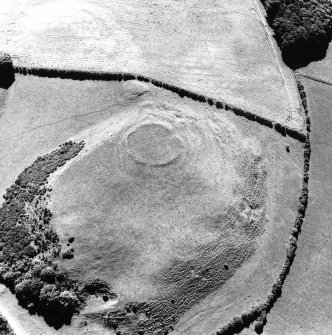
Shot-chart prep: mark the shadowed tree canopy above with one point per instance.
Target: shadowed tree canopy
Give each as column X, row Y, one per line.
column 7, row 76
column 303, row 29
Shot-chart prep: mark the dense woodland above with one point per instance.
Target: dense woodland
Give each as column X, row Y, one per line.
column 303, row 29
column 30, row 249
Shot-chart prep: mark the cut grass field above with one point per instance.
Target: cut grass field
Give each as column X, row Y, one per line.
column 220, row 49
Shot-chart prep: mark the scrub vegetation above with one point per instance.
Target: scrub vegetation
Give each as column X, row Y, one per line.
column 4, row 327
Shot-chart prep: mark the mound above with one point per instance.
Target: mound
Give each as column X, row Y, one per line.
column 165, row 209
column 181, row 208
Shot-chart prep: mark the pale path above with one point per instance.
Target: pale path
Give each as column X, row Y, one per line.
column 277, row 56
column 13, row 323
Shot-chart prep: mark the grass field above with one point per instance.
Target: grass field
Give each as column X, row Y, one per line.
column 305, row 305
column 223, row 49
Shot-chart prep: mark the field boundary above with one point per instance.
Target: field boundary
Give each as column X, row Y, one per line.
column 323, row 81
column 257, row 315
column 121, row 76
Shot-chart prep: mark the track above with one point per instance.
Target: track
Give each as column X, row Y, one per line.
column 14, row 325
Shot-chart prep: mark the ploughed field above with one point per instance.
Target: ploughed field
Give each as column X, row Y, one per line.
column 222, row 49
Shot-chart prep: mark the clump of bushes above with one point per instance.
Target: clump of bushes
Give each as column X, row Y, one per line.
column 68, row 254
column 7, row 74
column 4, row 327
column 303, row 29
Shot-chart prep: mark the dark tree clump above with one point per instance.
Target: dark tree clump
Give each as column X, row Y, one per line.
column 29, row 247
column 7, row 74
column 303, row 29
column 4, row 327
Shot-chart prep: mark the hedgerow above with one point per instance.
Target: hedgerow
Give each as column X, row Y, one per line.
column 257, row 314
column 303, row 29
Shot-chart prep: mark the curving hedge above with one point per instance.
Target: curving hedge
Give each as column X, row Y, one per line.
column 257, row 314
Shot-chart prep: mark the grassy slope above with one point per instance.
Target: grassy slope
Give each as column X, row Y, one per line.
column 251, row 282
column 216, row 48
column 23, row 148
column 42, row 113
column 305, row 306
column 38, row 115
column 43, row 100
column 266, row 263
